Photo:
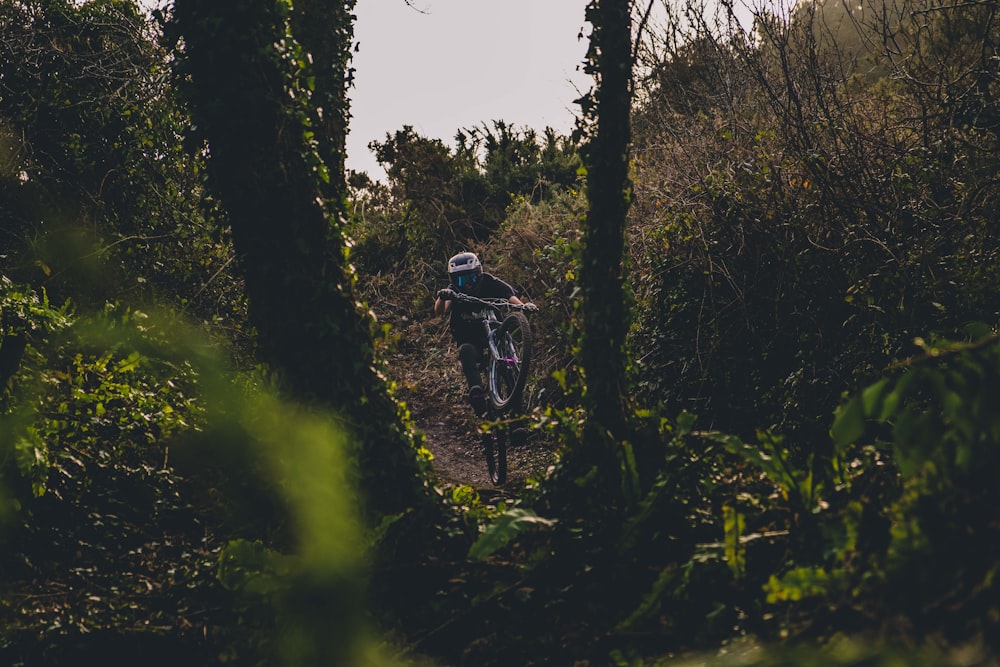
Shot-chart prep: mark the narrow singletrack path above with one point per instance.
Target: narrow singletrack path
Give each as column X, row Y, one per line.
column 426, row 370
column 452, row 438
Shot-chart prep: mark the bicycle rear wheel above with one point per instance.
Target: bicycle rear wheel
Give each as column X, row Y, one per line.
column 508, row 372
column 495, row 450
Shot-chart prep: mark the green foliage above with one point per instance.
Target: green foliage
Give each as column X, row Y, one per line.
column 804, row 582
column 438, row 198
column 503, row 529
column 934, row 417
column 26, row 317
column 794, row 224
column 734, row 524
column 251, row 569
column 24, row 310
column 797, row 482
column 839, row 652
column 303, row 593
column 938, row 407
column 791, row 238
column 100, row 196
column 151, row 458
column 792, row 229
column 91, row 395
column 95, row 406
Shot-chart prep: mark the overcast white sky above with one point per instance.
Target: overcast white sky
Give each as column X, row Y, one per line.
column 461, row 63
column 445, row 65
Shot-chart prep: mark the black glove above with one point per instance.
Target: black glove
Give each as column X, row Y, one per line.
column 446, row 294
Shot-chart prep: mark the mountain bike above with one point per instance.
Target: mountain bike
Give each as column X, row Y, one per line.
column 507, row 362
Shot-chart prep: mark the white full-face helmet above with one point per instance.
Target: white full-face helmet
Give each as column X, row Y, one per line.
column 464, row 270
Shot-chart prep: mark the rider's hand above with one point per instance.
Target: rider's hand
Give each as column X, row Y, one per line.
column 530, row 307
column 446, row 294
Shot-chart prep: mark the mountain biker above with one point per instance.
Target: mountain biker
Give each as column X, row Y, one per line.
column 465, row 275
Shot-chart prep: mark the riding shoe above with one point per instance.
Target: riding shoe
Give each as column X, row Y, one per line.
column 477, row 398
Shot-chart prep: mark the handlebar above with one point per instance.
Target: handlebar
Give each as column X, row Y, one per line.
column 496, row 304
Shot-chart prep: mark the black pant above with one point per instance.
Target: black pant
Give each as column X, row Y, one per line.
column 471, row 356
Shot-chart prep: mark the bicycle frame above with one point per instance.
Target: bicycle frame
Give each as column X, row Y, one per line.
column 491, row 318
column 491, row 322
column 495, row 315
column 506, row 370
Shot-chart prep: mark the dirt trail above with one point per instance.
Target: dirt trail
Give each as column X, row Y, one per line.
column 454, row 441
column 429, row 381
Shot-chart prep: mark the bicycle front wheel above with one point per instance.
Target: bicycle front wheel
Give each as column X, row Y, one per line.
column 508, row 371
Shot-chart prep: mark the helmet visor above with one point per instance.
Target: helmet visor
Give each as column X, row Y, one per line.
column 465, row 279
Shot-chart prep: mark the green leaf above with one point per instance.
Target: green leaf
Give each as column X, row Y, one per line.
column 508, row 525
column 685, row 423
column 801, row 583
column 736, row 558
column 978, row 330
column 130, row 364
column 872, row 397
column 849, row 423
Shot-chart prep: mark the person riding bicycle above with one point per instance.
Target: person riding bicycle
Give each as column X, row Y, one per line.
column 466, row 275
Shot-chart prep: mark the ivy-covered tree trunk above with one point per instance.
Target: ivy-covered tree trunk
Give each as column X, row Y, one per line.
column 605, row 315
column 326, row 31
column 249, row 88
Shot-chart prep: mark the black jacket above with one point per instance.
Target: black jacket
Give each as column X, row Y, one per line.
column 466, row 329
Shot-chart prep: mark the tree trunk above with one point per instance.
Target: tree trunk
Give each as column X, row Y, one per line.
column 245, row 86
column 326, row 32
column 609, row 191
column 596, row 478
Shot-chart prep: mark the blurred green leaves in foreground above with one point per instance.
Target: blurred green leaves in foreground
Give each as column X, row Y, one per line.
column 125, row 421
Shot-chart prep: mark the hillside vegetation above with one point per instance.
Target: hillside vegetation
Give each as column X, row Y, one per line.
column 765, row 436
